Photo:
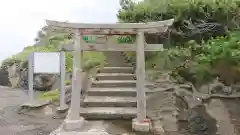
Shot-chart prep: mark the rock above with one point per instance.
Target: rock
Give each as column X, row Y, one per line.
column 219, row 88
column 14, row 77
column 204, row 89
column 200, row 122
column 4, row 79
column 68, row 88
column 57, row 83
column 164, row 83
column 162, row 109
column 235, row 87
column 150, row 85
column 18, row 77
column 227, row 90
column 44, row 82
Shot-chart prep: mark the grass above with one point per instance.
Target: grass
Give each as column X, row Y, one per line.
column 68, row 82
column 50, row 95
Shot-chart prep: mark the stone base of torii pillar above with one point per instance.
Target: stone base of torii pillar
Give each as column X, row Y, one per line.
column 71, row 125
column 142, row 126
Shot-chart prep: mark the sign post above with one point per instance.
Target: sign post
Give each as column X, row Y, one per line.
column 46, row 63
column 30, row 78
column 63, row 105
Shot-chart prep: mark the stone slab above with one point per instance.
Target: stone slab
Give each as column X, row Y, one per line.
column 116, row 70
column 110, row 101
column 109, row 112
column 112, row 92
column 114, row 83
column 36, row 104
column 115, row 76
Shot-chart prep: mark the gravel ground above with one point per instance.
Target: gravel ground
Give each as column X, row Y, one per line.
column 17, row 121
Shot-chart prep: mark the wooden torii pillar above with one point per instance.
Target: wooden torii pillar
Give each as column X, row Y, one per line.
column 74, row 120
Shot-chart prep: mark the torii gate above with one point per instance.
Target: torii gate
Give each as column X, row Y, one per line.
column 74, row 120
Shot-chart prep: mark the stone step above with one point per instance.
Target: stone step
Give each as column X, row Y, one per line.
column 116, row 70
column 114, row 83
column 115, row 76
column 131, row 92
column 110, row 101
column 108, row 112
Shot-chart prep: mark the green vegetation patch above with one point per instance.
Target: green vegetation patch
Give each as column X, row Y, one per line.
column 50, row 95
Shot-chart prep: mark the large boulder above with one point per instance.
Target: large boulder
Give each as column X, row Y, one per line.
column 43, row 82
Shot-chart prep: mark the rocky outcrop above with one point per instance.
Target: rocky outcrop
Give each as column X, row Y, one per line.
column 161, row 105
column 43, row 82
column 162, row 110
column 175, row 108
column 200, row 122
column 19, row 79
column 4, row 81
column 232, row 107
column 14, row 76
column 216, row 109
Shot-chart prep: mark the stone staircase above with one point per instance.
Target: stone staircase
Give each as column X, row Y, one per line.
column 112, row 95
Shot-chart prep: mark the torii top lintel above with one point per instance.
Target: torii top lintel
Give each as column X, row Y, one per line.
column 147, row 25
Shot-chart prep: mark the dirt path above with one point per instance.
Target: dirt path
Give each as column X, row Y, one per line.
column 24, row 122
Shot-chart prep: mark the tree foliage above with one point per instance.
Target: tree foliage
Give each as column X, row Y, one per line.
column 184, row 11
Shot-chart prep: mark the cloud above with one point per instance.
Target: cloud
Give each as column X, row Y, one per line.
column 21, row 19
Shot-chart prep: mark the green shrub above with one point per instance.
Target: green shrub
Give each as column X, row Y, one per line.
column 216, row 57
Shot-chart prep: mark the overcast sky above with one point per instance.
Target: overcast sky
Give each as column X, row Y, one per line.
column 21, row 19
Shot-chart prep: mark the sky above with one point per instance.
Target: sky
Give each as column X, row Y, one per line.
column 21, row 19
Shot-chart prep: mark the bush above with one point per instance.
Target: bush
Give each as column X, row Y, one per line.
column 200, row 63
